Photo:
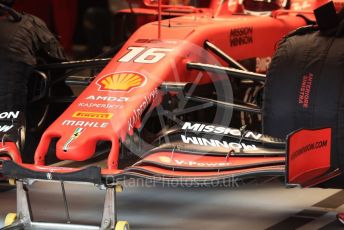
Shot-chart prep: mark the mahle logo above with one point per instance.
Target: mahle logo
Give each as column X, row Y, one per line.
column 122, row 81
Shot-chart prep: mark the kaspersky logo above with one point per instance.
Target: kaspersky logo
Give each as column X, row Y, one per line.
column 75, row 136
column 121, row 81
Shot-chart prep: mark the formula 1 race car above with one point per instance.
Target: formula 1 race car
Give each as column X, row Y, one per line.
column 182, row 101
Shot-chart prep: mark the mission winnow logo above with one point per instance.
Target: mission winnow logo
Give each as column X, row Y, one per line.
column 196, row 127
column 8, row 116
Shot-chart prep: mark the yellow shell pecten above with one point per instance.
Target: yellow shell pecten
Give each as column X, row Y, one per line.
column 121, row 81
column 165, row 159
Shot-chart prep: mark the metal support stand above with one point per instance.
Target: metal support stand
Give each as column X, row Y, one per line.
column 23, row 204
column 109, row 219
column 65, row 203
column 24, row 218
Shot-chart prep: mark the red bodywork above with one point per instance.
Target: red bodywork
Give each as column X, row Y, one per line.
column 304, row 145
column 11, row 151
column 129, row 84
column 173, row 38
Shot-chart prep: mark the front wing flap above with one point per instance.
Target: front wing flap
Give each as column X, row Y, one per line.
column 308, row 158
column 161, row 167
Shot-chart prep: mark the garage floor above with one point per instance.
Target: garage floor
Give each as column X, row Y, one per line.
column 249, row 206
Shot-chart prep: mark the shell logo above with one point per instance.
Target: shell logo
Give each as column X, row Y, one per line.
column 123, row 81
column 165, row 159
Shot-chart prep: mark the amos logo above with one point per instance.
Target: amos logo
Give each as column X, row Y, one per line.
column 121, row 81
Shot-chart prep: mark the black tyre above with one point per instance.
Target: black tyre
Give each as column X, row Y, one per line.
column 305, row 88
column 41, row 114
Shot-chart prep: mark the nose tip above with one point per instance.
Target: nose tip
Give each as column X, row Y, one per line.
column 77, row 150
